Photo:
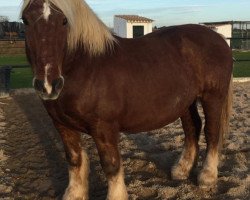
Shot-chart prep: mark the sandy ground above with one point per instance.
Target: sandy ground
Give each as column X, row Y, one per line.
column 32, row 162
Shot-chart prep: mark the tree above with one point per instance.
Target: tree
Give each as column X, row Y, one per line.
column 4, row 19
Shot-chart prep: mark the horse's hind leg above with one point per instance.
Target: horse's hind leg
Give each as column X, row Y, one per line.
column 78, row 164
column 214, row 105
column 191, row 123
column 106, row 137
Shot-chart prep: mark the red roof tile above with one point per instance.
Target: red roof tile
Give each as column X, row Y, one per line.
column 134, row 18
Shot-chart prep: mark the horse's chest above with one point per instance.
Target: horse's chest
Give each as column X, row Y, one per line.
column 67, row 116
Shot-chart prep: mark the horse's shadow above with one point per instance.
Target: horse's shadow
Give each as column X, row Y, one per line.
column 161, row 149
column 155, row 156
column 50, row 144
column 56, row 170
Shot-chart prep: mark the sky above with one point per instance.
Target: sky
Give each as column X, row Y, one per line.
column 164, row 12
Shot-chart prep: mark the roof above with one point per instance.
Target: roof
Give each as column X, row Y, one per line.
column 226, row 22
column 217, row 23
column 134, row 18
column 214, row 26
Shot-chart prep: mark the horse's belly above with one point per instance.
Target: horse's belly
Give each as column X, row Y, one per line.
column 149, row 117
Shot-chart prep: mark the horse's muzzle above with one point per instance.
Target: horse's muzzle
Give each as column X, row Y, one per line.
column 48, row 91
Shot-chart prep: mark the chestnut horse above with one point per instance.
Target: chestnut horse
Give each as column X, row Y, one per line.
column 94, row 82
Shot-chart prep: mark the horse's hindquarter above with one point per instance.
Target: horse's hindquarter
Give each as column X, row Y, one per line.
column 208, row 54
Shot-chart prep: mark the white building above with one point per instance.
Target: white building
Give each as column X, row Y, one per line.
column 132, row 26
column 223, row 28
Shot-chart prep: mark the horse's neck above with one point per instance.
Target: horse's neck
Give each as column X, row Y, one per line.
column 75, row 59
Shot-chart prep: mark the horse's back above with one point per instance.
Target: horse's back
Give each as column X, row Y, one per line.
column 190, row 50
column 201, row 49
column 191, row 43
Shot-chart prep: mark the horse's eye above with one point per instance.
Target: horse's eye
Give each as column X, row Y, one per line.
column 65, row 21
column 25, row 21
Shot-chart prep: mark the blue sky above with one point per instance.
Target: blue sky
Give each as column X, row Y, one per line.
column 164, row 12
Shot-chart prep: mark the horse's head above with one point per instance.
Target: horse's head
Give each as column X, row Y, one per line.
column 46, row 44
column 55, row 27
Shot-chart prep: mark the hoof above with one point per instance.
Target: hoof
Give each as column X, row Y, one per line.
column 116, row 192
column 179, row 173
column 122, row 196
column 73, row 194
column 207, row 178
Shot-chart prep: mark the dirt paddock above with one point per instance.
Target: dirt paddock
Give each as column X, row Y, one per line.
column 33, row 166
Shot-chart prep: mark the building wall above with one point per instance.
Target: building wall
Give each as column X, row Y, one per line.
column 225, row 30
column 147, row 28
column 124, row 29
column 120, row 27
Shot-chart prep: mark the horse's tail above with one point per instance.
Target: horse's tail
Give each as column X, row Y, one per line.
column 226, row 111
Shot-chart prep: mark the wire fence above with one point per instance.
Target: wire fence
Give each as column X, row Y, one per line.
column 240, row 43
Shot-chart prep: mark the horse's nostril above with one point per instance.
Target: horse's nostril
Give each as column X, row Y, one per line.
column 48, row 91
column 39, row 85
column 57, row 84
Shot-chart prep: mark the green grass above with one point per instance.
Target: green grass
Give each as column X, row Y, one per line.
column 13, row 60
column 22, row 77
column 242, row 68
column 241, row 55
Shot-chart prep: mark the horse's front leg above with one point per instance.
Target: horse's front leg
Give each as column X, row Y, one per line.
column 106, row 137
column 78, row 164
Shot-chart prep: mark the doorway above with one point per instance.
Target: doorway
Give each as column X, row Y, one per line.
column 138, row 31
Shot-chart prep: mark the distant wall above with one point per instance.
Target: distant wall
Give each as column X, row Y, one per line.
column 120, row 27
column 226, row 31
column 12, row 47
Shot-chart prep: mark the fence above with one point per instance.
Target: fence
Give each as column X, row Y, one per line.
column 4, row 80
column 12, row 47
column 240, row 43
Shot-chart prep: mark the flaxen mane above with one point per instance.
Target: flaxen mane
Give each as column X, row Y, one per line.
column 85, row 28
